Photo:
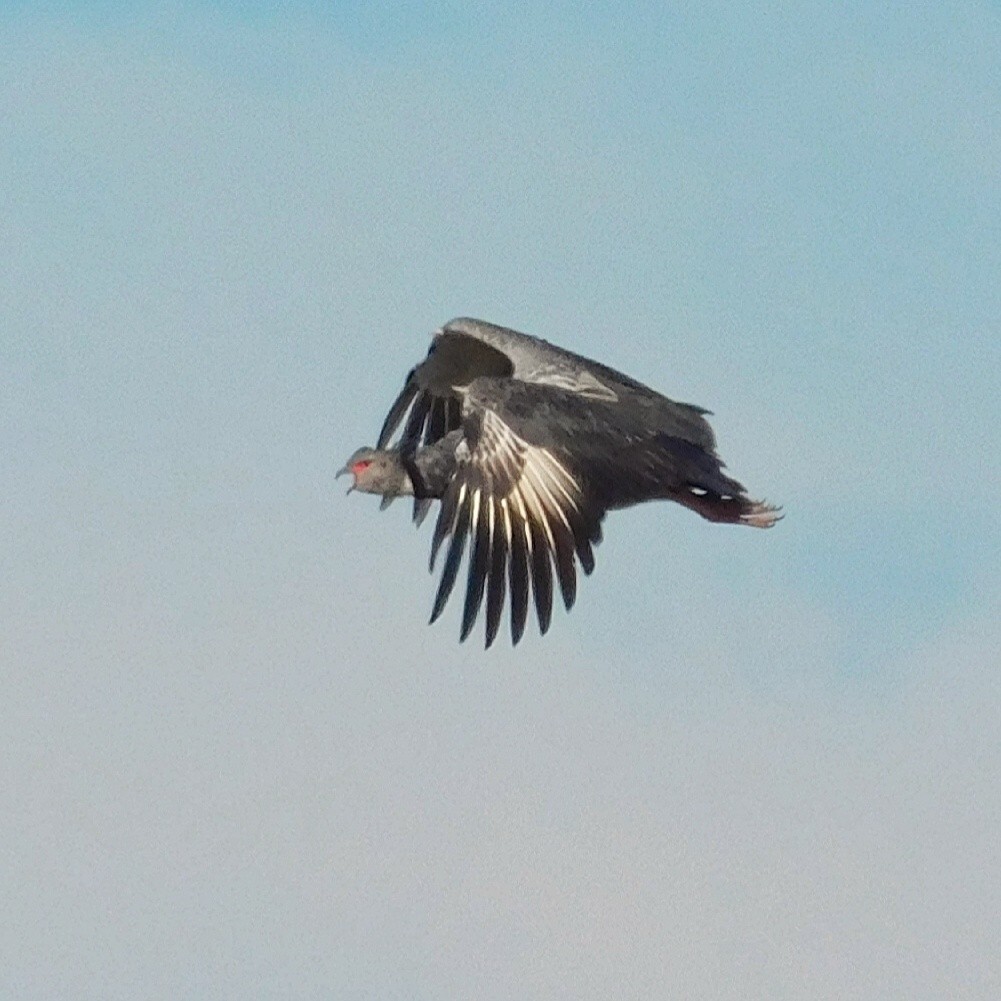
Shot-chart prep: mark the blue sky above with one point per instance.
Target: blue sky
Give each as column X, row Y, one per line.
column 749, row 764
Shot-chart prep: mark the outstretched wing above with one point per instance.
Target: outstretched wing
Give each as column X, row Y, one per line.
column 536, row 470
column 526, row 514
column 428, row 405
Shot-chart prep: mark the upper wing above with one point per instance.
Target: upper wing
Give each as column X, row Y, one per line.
column 527, row 514
column 431, row 415
column 428, row 399
column 466, row 349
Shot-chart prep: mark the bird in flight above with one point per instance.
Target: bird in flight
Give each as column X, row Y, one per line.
column 527, row 446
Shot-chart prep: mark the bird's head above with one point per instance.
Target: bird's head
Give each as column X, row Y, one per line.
column 377, row 471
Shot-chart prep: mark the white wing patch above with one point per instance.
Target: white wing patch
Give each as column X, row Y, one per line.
column 532, row 476
column 582, row 383
column 525, row 515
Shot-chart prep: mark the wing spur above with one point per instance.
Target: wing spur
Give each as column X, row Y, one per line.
column 525, row 517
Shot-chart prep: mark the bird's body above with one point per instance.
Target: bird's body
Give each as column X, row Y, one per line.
column 528, row 446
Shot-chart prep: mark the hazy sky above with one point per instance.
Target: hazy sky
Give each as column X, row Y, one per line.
column 237, row 763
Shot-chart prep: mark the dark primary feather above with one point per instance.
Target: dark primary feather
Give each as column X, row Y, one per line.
column 437, row 421
column 415, row 422
column 518, row 576
column 397, row 410
column 478, row 564
column 452, row 560
column 496, row 581
column 542, row 579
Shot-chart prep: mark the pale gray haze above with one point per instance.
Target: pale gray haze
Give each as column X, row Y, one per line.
column 237, row 763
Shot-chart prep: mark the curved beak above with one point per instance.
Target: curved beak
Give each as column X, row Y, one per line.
column 340, row 473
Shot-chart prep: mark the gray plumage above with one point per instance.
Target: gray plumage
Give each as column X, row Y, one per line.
column 527, row 446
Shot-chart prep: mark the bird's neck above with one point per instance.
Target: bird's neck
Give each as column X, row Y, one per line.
column 402, row 485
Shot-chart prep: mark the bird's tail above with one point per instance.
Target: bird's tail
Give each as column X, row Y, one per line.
column 738, row 510
column 715, row 496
